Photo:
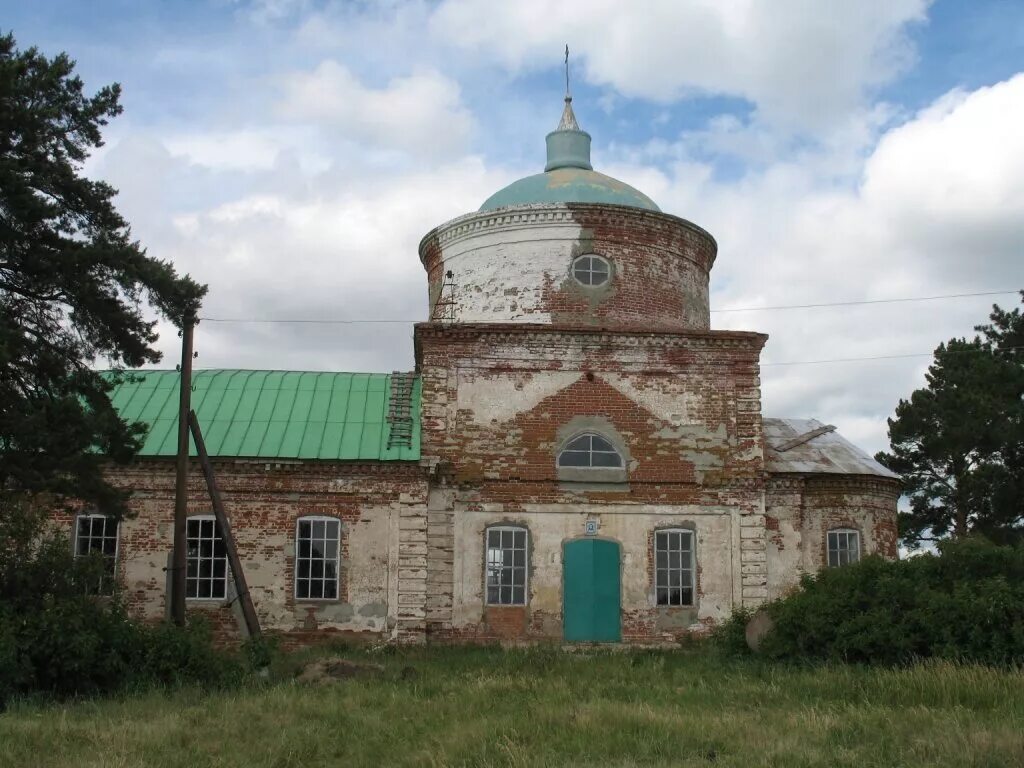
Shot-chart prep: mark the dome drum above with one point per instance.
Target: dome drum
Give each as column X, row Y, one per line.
column 522, row 265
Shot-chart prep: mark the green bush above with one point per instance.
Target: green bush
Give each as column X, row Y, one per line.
column 730, row 637
column 964, row 603
column 56, row 639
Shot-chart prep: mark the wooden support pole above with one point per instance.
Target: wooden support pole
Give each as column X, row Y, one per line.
column 178, row 558
column 252, row 622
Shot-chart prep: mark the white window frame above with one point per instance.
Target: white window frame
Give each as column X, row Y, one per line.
column 337, row 561
column 590, row 451
column 117, row 546
column 589, row 270
column 683, row 569
column 490, row 565
column 219, row 535
column 847, row 533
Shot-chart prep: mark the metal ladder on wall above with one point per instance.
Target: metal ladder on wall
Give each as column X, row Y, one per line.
column 444, row 308
column 400, row 410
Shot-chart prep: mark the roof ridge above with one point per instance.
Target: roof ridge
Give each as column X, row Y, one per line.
column 246, row 370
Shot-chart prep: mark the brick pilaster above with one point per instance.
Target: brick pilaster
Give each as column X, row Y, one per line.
column 440, row 560
column 412, row 573
column 753, row 560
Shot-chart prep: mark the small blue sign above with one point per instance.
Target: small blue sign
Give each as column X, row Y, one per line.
column 590, row 528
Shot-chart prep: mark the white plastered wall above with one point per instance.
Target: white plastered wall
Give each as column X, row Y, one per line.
column 550, row 526
column 500, row 273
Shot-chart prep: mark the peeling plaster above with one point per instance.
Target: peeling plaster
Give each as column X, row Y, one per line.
column 489, row 399
column 668, row 401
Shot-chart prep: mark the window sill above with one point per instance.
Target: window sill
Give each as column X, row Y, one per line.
column 577, row 486
column 593, row 476
column 317, row 600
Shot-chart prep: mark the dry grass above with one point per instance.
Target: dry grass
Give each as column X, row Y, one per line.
column 541, row 707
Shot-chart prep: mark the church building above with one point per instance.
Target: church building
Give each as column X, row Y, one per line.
column 577, row 456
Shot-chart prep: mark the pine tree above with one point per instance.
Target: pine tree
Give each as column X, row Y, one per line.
column 958, row 443
column 74, row 286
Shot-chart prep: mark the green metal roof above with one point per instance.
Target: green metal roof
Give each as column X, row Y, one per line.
column 272, row 414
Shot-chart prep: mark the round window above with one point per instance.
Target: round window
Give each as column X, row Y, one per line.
column 591, row 270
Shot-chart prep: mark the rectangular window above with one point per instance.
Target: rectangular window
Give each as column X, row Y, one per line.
column 506, row 566
column 673, row 564
column 98, row 533
column 317, row 541
column 843, row 547
column 206, row 574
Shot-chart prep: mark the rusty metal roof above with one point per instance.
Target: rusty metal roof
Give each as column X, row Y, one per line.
column 274, row 414
column 823, row 451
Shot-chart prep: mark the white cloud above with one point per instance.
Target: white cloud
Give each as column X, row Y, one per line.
column 950, row 184
column 270, row 11
column 306, row 194
column 938, row 208
column 336, row 247
column 232, row 151
column 421, row 113
column 802, row 62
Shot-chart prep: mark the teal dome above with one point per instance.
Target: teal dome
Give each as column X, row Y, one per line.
column 568, row 175
column 568, row 185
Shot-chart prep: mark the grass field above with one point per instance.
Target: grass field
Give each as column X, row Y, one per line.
column 544, row 707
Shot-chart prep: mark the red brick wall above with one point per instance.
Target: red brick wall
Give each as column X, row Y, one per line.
column 699, row 443
column 660, row 265
column 263, row 502
column 800, row 510
column 718, row 445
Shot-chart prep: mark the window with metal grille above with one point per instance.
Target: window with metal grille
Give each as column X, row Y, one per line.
column 843, row 547
column 206, row 562
column 506, row 565
column 98, row 533
column 591, row 270
column 317, row 558
column 590, row 451
column 673, row 567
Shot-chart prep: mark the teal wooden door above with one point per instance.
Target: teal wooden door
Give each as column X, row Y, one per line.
column 591, row 591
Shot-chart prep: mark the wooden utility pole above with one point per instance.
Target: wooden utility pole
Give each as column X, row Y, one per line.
column 178, row 558
column 252, row 623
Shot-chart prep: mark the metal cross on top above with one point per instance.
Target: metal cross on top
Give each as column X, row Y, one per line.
column 568, row 96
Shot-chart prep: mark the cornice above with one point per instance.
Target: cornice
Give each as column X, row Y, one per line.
column 832, row 482
column 741, row 340
column 886, row 486
column 543, row 216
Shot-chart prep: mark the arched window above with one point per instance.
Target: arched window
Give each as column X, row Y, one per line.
column 317, row 558
column 674, row 566
column 843, row 547
column 506, row 564
column 590, row 451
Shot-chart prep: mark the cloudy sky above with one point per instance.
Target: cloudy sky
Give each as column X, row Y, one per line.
column 291, row 153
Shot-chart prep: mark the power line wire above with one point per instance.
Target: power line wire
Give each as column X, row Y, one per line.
column 359, row 321
column 867, row 301
column 889, row 357
column 304, row 321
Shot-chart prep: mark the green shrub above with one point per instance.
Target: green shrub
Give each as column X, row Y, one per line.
column 730, row 637
column 964, row 603
column 260, row 652
column 56, row 639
